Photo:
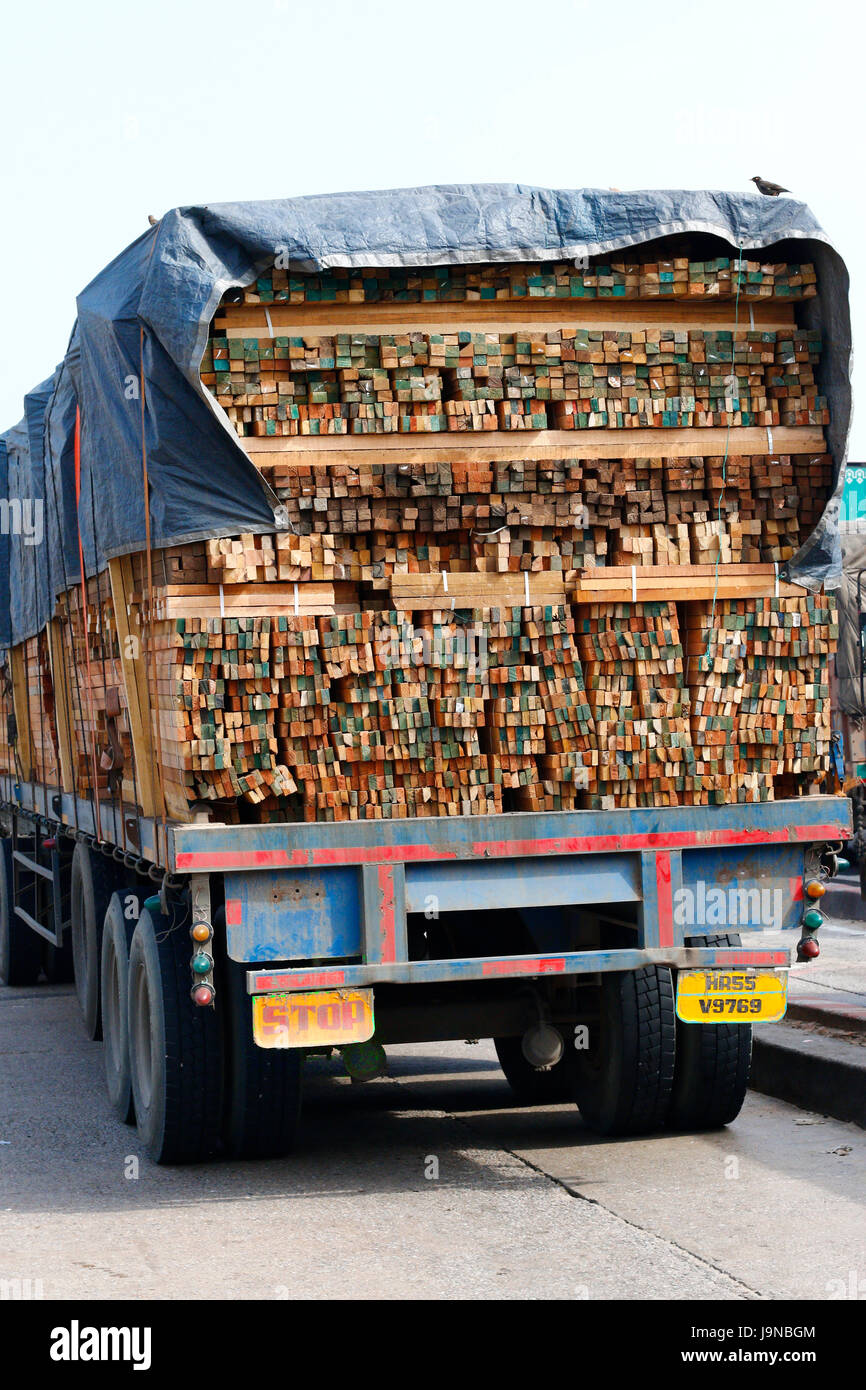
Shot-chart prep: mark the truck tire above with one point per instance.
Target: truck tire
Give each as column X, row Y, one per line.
column 90, row 893
column 20, row 948
column 712, row 1067
column 175, row 1048
column 117, row 936
column 531, row 1086
column 263, row 1086
column 624, row 1080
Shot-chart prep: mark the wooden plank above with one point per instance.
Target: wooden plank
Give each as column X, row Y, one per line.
column 688, row 582
column 137, row 694
column 21, row 705
column 62, row 705
column 248, row 321
column 597, row 443
column 475, row 590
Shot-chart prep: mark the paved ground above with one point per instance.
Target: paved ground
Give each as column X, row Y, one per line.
column 526, row 1203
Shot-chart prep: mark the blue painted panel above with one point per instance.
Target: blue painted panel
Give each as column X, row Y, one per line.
column 466, row 837
column 487, row 885
column 735, row 889
column 309, row 914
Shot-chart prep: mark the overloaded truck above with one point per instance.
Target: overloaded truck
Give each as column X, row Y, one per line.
column 416, row 612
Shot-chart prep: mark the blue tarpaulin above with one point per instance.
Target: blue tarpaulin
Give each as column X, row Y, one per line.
column 144, row 321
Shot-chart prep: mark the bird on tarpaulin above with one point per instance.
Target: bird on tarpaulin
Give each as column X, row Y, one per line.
column 769, row 190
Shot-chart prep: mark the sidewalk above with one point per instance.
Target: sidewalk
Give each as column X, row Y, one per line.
column 816, row 1058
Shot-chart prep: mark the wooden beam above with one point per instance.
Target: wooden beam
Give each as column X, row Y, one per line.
column 537, row 444
column 471, row 590
column 133, row 664
column 680, row 584
column 21, row 702
column 626, row 315
column 63, row 716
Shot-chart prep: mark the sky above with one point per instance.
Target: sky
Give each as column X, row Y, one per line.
column 115, row 111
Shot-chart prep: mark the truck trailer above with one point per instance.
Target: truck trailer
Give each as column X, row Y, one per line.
column 247, row 836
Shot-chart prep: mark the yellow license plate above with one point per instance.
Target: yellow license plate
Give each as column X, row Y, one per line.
column 731, row 996
column 322, row 1018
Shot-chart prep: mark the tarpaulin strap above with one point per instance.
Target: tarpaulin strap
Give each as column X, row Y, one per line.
column 769, row 439
column 270, row 325
column 634, row 584
column 151, row 681
column 222, row 602
column 85, row 633
column 526, row 586
column 297, row 600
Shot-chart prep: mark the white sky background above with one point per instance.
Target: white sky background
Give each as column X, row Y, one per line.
column 113, row 111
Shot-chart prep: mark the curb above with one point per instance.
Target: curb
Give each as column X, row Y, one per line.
column 844, row 1013
column 823, row 1074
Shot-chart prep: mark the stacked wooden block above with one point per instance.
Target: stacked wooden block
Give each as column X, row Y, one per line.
column 633, row 665
column 568, row 378
column 757, row 669
column 96, row 696
column 567, row 765
column 531, row 515
column 43, row 729
column 620, row 279
column 216, row 700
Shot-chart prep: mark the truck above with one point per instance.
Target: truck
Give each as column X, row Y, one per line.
column 211, row 952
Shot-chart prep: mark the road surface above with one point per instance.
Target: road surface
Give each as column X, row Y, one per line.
column 427, row 1184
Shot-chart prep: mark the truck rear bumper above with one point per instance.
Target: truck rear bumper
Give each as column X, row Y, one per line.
column 559, row 966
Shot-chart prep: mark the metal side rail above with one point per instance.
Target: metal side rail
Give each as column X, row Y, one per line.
column 301, row 896
column 505, row 967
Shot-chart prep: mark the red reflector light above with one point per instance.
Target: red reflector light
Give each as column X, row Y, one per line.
column 203, row 995
column 808, row 948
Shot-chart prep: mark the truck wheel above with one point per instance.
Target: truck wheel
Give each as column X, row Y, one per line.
column 117, row 936
column 90, row 893
column 175, row 1048
column 263, row 1086
column 20, row 948
column 712, row 1068
column 624, row 1079
column 531, row 1086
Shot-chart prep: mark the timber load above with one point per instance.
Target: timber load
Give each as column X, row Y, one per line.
column 533, row 525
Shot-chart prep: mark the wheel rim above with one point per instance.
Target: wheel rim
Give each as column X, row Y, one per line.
column 143, row 1048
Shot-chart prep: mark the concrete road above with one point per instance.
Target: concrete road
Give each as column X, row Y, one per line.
column 427, row 1184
